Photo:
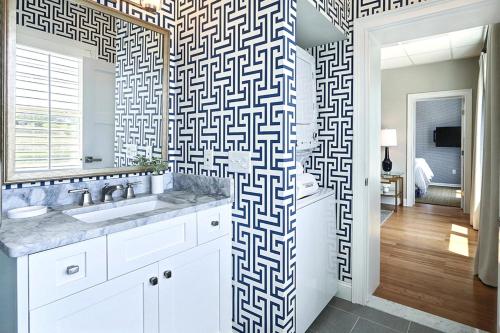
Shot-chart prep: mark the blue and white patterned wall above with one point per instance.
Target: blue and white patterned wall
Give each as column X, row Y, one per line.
column 138, row 91
column 339, row 12
column 331, row 162
column 430, row 114
column 70, row 20
column 235, row 72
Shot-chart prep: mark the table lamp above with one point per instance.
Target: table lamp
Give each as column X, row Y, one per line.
column 388, row 138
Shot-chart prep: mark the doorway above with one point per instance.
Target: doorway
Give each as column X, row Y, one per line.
column 449, row 162
column 430, row 18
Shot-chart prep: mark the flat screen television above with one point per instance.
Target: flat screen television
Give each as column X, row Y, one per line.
column 448, row 136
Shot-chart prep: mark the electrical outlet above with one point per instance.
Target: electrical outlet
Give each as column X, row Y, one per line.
column 208, row 159
column 240, row 161
column 130, row 150
column 149, row 151
column 454, row 171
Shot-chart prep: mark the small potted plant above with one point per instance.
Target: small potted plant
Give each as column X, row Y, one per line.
column 157, row 168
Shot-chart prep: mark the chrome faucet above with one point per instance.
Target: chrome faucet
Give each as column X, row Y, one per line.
column 107, row 192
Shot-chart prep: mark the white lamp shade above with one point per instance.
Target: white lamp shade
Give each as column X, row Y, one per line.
column 388, row 138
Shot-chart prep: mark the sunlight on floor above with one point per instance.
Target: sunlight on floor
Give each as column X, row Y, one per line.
column 459, row 245
column 459, row 229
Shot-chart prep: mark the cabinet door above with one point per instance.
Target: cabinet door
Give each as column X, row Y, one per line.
column 195, row 289
column 316, row 260
column 128, row 304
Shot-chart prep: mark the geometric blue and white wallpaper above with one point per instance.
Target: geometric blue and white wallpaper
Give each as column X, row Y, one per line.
column 138, row 91
column 235, row 70
column 70, row 20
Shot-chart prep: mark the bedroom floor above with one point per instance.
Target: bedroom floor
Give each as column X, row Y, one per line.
column 442, row 196
column 427, row 263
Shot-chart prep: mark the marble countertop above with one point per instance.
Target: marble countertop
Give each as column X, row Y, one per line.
column 20, row 237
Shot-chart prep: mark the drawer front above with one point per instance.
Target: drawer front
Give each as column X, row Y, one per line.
column 214, row 223
column 66, row 270
column 135, row 248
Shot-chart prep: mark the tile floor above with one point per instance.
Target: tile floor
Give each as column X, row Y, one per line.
column 341, row 316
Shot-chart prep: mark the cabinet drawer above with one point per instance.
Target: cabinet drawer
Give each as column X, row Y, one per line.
column 214, row 223
column 63, row 271
column 131, row 249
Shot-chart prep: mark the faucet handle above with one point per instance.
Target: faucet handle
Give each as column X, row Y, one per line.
column 129, row 193
column 86, row 198
column 79, row 190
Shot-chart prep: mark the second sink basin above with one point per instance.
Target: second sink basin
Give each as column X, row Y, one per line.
column 100, row 215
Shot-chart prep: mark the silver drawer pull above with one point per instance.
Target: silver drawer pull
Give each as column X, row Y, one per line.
column 215, row 223
column 73, row 269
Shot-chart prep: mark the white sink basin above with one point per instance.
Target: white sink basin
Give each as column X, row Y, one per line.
column 121, row 211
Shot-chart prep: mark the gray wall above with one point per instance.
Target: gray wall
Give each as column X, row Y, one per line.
column 398, row 83
column 442, row 160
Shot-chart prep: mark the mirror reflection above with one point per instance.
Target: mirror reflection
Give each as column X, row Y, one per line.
column 88, row 89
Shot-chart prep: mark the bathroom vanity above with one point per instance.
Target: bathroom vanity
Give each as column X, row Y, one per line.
column 155, row 263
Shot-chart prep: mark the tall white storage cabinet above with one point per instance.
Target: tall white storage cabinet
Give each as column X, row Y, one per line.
column 316, row 256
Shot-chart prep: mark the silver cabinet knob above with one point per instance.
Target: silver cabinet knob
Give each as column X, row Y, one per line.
column 215, row 223
column 167, row 274
column 73, row 269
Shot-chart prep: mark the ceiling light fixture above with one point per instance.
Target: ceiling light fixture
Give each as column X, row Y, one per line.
column 151, row 6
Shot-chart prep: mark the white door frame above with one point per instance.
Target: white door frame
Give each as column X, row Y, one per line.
column 466, row 94
column 415, row 21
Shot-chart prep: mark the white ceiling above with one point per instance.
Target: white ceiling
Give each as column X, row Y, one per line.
column 454, row 45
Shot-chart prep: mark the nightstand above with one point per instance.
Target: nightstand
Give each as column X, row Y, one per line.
column 395, row 191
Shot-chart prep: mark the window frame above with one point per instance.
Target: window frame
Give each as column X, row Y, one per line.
column 53, row 49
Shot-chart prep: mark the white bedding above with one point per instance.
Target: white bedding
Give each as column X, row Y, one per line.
column 423, row 175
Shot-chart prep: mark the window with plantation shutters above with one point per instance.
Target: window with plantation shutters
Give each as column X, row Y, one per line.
column 48, row 122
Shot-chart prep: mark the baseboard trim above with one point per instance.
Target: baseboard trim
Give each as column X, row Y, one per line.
column 447, row 185
column 344, row 290
column 390, row 201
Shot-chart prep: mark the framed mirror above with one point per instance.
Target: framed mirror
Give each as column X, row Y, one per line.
column 87, row 90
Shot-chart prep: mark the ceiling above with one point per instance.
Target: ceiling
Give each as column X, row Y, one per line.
column 454, row 45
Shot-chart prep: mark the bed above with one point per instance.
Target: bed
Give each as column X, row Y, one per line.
column 423, row 175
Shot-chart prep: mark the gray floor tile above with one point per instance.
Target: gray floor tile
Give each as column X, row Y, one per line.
column 344, row 305
column 385, row 319
column 417, row 328
column 366, row 326
column 333, row 320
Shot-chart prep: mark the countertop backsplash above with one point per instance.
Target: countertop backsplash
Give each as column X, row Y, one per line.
column 57, row 194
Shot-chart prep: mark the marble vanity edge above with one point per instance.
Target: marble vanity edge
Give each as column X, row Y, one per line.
column 16, row 250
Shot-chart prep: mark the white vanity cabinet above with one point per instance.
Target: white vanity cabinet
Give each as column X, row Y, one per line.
column 128, row 304
column 168, row 276
column 195, row 291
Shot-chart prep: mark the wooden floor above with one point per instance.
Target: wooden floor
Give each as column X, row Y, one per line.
column 427, row 263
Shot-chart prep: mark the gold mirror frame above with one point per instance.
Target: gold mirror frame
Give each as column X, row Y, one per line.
column 8, row 83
